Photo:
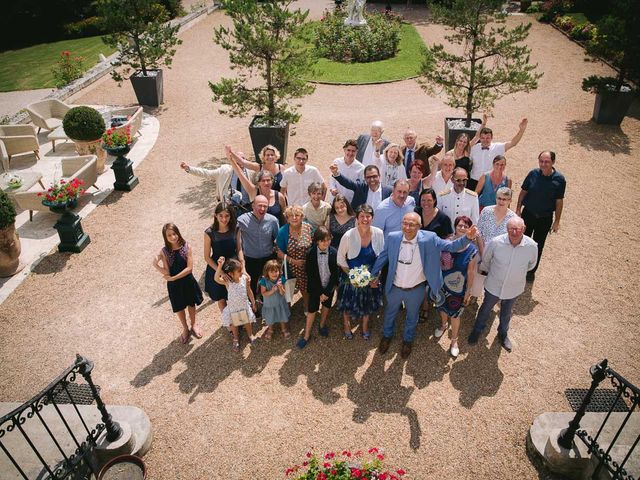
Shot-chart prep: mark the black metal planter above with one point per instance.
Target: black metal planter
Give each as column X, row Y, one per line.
column 123, row 169
column 450, row 134
column 69, row 227
column 148, row 88
column 610, row 108
column 263, row 135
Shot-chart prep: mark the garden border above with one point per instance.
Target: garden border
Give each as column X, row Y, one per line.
column 104, row 67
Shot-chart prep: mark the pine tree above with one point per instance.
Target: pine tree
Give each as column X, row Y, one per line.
column 265, row 42
column 492, row 63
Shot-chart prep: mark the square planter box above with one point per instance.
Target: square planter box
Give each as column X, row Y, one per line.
column 610, row 108
column 450, row 134
column 263, row 135
column 148, row 89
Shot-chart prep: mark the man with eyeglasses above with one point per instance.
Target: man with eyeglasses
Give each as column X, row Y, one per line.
column 459, row 200
column 296, row 180
column 370, row 191
column 506, row 259
column 413, row 256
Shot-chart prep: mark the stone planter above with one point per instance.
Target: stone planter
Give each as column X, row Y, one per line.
column 69, row 226
column 610, row 108
column 93, row 148
column 148, row 88
column 124, row 467
column 10, row 250
column 263, row 135
column 123, row 169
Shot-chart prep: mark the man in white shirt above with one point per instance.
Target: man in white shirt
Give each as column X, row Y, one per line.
column 459, row 200
column 296, row 180
column 483, row 153
column 349, row 168
column 507, row 259
column 368, row 145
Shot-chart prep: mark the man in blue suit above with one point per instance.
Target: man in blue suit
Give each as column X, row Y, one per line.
column 413, row 256
column 370, row 191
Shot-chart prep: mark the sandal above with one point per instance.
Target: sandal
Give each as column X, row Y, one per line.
column 236, row 345
column 196, row 333
column 267, row 335
column 348, row 336
column 184, row 338
column 366, row 335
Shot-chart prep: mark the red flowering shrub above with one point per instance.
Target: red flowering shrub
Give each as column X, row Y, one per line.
column 340, row 468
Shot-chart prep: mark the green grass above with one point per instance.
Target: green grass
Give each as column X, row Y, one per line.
column 404, row 65
column 30, row 68
column 577, row 18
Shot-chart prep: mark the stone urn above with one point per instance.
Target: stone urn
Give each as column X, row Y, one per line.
column 93, row 148
column 9, row 251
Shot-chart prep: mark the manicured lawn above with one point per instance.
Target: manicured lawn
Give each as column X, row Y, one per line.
column 30, row 68
column 404, row 65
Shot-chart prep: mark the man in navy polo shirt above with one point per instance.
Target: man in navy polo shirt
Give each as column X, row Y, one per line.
column 542, row 197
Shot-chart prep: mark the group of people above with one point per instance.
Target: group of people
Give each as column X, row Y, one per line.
column 395, row 225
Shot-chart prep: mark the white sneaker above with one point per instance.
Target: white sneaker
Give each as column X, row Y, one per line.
column 455, row 351
column 439, row 332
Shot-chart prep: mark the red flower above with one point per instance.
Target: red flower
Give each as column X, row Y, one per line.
column 39, row 194
column 329, row 455
column 383, row 476
column 355, row 473
column 346, row 453
column 359, row 453
column 380, row 457
column 334, row 472
column 373, row 450
column 309, row 455
column 400, row 472
column 321, row 476
column 305, row 463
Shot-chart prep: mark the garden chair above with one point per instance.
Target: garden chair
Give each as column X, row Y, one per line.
column 19, row 139
column 47, row 114
column 135, row 119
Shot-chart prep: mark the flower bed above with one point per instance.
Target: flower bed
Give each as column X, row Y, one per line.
column 345, row 466
column 378, row 40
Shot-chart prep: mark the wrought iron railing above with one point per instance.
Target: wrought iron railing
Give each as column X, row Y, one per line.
column 70, row 462
column 626, row 392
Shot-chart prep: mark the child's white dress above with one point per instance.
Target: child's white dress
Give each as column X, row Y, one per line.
column 237, row 301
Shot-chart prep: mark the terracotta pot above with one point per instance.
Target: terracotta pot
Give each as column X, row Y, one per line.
column 9, row 251
column 93, row 148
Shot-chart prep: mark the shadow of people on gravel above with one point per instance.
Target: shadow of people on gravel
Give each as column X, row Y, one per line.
column 600, row 138
column 478, row 374
column 161, row 363
column 200, row 196
column 381, row 391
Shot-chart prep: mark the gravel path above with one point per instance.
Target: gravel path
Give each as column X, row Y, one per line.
column 216, row 415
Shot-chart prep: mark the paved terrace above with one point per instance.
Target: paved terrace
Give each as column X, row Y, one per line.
column 217, row 415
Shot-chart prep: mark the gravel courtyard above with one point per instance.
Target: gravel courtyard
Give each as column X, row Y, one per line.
column 217, row 415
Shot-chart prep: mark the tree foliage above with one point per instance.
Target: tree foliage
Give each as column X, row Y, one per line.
column 141, row 34
column 269, row 58
column 618, row 41
column 492, row 64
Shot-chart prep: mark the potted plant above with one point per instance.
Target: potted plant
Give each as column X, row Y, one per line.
column 146, row 41
column 117, row 142
column 492, row 62
column 85, row 126
column 265, row 42
column 9, row 242
column 61, row 198
column 617, row 40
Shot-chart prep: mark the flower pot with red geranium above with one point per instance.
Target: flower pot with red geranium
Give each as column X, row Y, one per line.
column 62, row 198
column 117, row 142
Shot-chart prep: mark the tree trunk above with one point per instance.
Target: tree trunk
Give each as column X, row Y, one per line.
column 270, row 94
column 472, row 83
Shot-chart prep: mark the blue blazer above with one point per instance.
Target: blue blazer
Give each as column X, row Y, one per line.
column 429, row 246
column 360, row 190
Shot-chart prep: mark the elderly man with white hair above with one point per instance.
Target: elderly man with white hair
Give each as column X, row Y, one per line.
column 507, row 259
column 368, row 145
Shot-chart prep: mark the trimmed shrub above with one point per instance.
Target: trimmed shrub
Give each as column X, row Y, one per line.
column 84, row 124
column 7, row 210
column 377, row 40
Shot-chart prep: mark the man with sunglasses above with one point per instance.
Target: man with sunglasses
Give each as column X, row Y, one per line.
column 413, row 256
column 459, row 200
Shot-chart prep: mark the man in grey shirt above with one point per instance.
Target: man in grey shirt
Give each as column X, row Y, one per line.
column 507, row 259
column 258, row 231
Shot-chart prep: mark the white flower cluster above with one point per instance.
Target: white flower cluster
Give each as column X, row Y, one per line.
column 360, row 276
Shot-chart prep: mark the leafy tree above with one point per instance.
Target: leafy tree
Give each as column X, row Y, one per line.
column 265, row 42
column 492, row 63
column 618, row 41
column 141, row 35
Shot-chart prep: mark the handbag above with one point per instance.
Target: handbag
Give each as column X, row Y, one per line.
column 239, row 318
column 289, row 283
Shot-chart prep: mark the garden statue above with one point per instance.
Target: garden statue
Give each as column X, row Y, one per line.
column 355, row 15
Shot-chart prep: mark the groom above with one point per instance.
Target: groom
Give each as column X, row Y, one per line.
column 413, row 256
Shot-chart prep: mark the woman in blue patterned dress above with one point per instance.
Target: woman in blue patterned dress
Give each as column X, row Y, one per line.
column 458, row 270
column 359, row 246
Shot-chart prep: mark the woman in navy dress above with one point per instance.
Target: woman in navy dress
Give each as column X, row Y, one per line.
column 175, row 263
column 359, row 246
column 342, row 218
column 220, row 240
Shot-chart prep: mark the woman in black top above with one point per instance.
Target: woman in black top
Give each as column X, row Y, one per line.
column 461, row 152
column 433, row 220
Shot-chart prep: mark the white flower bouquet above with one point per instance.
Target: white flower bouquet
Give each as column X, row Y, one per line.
column 360, row 276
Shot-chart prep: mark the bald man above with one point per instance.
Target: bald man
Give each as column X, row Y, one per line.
column 507, row 259
column 413, row 256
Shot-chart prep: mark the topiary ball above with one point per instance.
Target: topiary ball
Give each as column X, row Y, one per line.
column 84, row 124
column 7, row 211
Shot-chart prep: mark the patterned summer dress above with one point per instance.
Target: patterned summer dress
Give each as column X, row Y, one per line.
column 358, row 302
column 237, row 301
column 184, row 292
column 454, row 273
column 297, row 249
column 275, row 308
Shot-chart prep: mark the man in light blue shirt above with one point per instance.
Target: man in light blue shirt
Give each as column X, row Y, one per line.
column 388, row 215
